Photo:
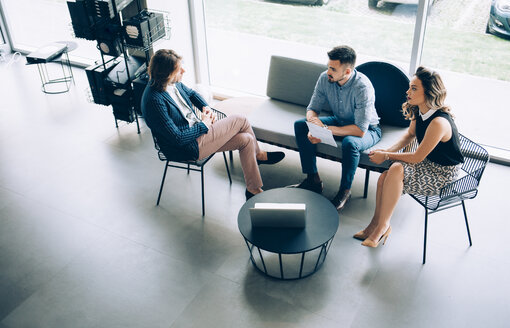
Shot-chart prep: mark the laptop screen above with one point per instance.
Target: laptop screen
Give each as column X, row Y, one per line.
column 278, row 215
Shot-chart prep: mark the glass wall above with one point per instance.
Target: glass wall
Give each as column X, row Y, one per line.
column 180, row 39
column 243, row 34
column 34, row 23
column 467, row 41
column 474, row 65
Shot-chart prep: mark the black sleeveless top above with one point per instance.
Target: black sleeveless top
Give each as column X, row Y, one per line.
column 445, row 153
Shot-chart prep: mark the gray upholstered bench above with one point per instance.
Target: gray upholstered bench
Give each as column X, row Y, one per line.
column 290, row 86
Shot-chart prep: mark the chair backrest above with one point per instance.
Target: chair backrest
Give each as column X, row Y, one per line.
column 390, row 85
column 160, row 153
column 156, row 143
column 292, row 80
column 475, row 157
column 475, row 160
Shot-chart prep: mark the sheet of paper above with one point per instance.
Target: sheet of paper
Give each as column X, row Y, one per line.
column 325, row 135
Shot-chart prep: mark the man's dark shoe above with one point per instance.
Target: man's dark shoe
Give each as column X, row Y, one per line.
column 309, row 184
column 341, row 199
column 248, row 194
column 273, row 157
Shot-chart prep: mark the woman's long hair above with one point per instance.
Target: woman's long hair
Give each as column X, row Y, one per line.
column 163, row 63
column 435, row 93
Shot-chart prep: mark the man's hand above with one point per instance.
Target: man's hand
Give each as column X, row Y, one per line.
column 208, row 120
column 313, row 117
column 313, row 140
column 206, row 110
column 208, row 116
column 315, row 120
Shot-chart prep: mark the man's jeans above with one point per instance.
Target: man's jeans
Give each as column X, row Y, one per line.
column 351, row 149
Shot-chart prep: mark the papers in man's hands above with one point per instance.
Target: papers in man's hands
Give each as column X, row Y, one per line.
column 324, row 134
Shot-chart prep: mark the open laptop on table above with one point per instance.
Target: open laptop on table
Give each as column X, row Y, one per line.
column 278, row 215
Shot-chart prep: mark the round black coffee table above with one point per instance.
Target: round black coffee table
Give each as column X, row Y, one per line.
column 290, row 253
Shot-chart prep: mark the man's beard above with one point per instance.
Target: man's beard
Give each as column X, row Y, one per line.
column 330, row 79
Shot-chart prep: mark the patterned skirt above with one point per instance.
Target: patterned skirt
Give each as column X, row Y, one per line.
column 427, row 178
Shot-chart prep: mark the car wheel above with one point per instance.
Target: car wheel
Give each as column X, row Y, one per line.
column 321, row 2
column 372, row 3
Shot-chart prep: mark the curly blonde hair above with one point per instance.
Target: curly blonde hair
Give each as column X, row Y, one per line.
column 435, row 93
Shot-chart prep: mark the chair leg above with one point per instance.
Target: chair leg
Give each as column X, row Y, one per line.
column 425, row 236
column 162, row 183
column 226, row 165
column 231, row 156
column 188, row 168
column 203, row 201
column 367, row 177
column 467, row 224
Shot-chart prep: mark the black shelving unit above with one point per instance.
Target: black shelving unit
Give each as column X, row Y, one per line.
column 125, row 31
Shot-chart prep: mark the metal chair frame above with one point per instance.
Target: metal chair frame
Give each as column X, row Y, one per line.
column 455, row 193
column 189, row 165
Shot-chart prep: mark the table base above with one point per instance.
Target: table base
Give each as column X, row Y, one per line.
column 64, row 81
column 288, row 266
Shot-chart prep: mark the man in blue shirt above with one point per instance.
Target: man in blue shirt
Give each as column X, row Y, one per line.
column 351, row 98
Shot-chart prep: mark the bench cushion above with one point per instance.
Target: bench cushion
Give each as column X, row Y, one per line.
column 390, row 85
column 273, row 122
column 292, row 80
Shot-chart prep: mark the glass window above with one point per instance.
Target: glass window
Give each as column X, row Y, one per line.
column 474, row 64
column 180, row 39
column 34, row 23
column 243, row 34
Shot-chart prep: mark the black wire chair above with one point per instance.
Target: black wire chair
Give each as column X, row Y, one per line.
column 455, row 193
column 189, row 165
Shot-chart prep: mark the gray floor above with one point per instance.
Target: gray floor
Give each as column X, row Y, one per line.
column 82, row 243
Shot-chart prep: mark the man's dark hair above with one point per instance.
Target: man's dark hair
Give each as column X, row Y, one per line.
column 163, row 63
column 345, row 54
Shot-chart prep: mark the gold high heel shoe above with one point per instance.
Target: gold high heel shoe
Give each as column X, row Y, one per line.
column 370, row 243
column 360, row 235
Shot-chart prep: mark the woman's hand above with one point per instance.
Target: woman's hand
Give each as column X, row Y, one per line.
column 377, row 156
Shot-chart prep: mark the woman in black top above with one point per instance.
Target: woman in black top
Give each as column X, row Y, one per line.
column 435, row 163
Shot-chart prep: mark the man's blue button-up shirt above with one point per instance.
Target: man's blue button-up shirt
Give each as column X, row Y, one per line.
column 352, row 103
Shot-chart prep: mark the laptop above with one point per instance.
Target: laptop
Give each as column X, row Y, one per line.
column 278, row 215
